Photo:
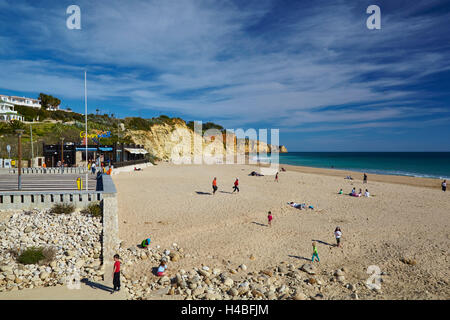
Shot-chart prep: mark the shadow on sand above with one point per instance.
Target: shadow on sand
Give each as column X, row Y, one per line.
column 260, row 224
column 298, row 257
column 323, row 242
column 203, row 193
column 96, row 285
column 226, row 192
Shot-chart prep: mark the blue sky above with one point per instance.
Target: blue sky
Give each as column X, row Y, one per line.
column 309, row 68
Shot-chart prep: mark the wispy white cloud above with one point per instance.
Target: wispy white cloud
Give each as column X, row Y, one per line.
column 218, row 60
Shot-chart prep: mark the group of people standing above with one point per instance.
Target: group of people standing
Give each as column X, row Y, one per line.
column 235, row 187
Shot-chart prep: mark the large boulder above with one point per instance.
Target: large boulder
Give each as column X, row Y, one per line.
column 308, row 268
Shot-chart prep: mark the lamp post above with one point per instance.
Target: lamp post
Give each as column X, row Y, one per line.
column 19, row 177
column 62, row 154
column 32, row 153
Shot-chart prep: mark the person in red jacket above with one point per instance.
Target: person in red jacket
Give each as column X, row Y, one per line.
column 214, row 185
column 116, row 273
column 269, row 219
column 236, row 184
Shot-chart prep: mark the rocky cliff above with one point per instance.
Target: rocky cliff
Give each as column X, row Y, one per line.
column 167, row 140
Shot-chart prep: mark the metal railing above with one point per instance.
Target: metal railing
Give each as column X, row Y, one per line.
column 26, row 200
column 53, row 170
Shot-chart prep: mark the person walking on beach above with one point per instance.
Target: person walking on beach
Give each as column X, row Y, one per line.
column 276, row 177
column 236, row 184
column 214, row 185
column 338, row 235
column 315, row 253
column 444, row 185
column 269, row 219
column 365, row 178
column 116, row 274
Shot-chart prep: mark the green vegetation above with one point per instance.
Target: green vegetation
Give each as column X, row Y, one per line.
column 31, row 256
column 63, row 208
column 136, row 123
column 50, row 126
column 94, row 209
column 36, row 255
column 206, row 126
column 48, row 101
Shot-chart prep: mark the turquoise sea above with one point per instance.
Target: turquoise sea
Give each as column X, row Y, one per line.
column 416, row 164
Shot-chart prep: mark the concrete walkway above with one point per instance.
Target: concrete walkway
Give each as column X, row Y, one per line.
column 87, row 291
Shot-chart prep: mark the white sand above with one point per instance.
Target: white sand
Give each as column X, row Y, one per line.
column 411, row 221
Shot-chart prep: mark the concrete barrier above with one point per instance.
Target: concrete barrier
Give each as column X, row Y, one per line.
column 110, row 226
column 68, row 170
column 130, row 168
column 105, row 194
column 28, row 200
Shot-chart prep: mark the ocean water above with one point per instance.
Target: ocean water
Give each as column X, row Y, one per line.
column 416, row 164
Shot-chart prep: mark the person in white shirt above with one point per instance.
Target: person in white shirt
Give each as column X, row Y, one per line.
column 338, row 235
column 367, row 194
column 162, row 269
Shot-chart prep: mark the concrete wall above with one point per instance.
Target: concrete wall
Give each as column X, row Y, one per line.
column 110, row 226
column 130, row 168
column 107, row 196
column 14, row 200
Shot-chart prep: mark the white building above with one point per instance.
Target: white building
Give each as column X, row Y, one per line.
column 7, row 112
column 21, row 101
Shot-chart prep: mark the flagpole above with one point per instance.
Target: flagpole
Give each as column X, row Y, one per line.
column 86, row 136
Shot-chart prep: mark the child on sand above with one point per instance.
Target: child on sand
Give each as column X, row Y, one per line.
column 367, row 194
column 162, row 269
column 116, row 274
column 315, row 253
column 214, row 185
column 276, row 177
column 145, row 243
column 236, row 183
column 338, row 235
column 269, row 218
column 341, row 192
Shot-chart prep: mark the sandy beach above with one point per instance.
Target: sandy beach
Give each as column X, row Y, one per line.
column 405, row 218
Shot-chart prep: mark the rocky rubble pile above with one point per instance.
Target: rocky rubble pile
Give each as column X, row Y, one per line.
column 73, row 238
column 284, row 281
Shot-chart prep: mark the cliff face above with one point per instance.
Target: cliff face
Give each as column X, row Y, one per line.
column 165, row 141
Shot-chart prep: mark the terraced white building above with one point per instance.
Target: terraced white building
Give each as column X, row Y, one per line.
column 21, row 101
column 7, row 112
